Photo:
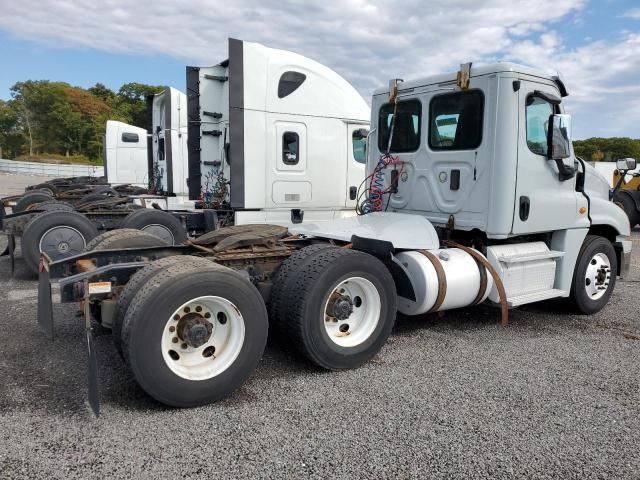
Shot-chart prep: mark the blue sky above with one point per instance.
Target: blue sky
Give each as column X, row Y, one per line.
column 594, row 44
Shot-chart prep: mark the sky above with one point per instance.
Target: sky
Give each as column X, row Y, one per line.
column 594, row 44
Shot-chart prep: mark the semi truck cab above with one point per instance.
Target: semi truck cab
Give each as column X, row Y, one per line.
column 485, row 155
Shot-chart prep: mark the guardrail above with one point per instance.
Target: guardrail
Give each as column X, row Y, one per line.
column 50, row 169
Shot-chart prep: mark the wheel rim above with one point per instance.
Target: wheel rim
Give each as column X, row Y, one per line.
column 352, row 312
column 161, row 232
column 597, row 276
column 203, row 338
column 61, row 242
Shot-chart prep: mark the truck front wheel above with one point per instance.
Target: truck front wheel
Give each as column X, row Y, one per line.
column 594, row 276
column 341, row 308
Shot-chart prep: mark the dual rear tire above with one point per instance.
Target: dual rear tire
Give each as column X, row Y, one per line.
column 336, row 306
column 193, row 332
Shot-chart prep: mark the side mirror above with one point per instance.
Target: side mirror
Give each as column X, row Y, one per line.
column 626, row 164
column 559, row 137
column 360, row 133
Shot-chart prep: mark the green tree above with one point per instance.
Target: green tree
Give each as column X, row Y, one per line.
column 12, row 141
column 133, row 102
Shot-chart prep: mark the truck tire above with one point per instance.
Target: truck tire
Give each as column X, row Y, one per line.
column 124, row 238
column 158, row 223
column 59, row 233
column 135, row 283
column 595, row 275
column 46, row 187
column 193, row 336
column 53, row 205
column 341, row 308
column 92, row 197
column 29, row 199
column 625, row 201
column 279, row 292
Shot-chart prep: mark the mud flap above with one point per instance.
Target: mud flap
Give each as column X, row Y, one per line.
column 12, row 248
column 92, row 359
column 45, row 303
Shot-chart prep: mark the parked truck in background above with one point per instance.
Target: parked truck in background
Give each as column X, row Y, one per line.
column 293, row 154
column 472, row 193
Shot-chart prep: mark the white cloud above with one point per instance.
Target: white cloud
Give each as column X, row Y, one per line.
column 366, row 41
column 633, row 13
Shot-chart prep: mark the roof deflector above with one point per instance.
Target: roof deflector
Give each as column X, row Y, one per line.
column 563, row 89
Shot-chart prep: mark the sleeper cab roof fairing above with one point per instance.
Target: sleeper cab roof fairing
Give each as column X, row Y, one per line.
column 165, row 109
column 477, row 71
column 322, row 92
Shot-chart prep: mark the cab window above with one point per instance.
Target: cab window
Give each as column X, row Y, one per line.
column 537, row 112
column 455, row 120
column 406, row 127
column 290, row 148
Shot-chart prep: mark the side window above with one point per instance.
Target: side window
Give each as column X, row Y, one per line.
column 289, row 82
column 537, row 112
column 455, row 120
column 130, row 137
column 290, row 148
column 406, row 127
column 359, row 140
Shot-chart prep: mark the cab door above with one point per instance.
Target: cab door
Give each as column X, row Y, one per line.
column 543, row 202
column 291, row 185
column 356, row 160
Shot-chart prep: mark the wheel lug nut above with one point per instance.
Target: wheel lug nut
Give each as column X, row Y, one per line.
column 172, row 329
column 198, row 309
column 187, row 309
column 175, row 340
column 176, row 317
column 207, row 315
column 184, row 346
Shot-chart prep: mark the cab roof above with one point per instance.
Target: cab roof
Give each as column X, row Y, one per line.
column 477, row 71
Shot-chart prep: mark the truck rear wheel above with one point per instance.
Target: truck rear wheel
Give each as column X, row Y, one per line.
column 124, row 238
column 279, row 292
column 136, row 282
column 158, row 223
column 57, row 233
column 193, row 336
column 341, row 308
column 30, row 199
column 53, row 205
column 595, row 275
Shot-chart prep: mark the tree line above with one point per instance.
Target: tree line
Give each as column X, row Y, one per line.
column 607, row 149
column 45, row 119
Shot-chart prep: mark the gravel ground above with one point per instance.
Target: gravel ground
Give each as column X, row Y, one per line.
column 554, row 395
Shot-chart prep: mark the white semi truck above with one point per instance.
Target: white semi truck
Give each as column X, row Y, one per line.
column 472, row 194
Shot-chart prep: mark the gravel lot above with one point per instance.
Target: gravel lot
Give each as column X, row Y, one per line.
column 554, row 395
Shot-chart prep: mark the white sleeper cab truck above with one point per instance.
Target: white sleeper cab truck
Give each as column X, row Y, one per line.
column 472, row 194
column 275, row 136
column 266, row 136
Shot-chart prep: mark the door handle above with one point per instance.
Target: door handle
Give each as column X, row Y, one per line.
column 525, row 207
